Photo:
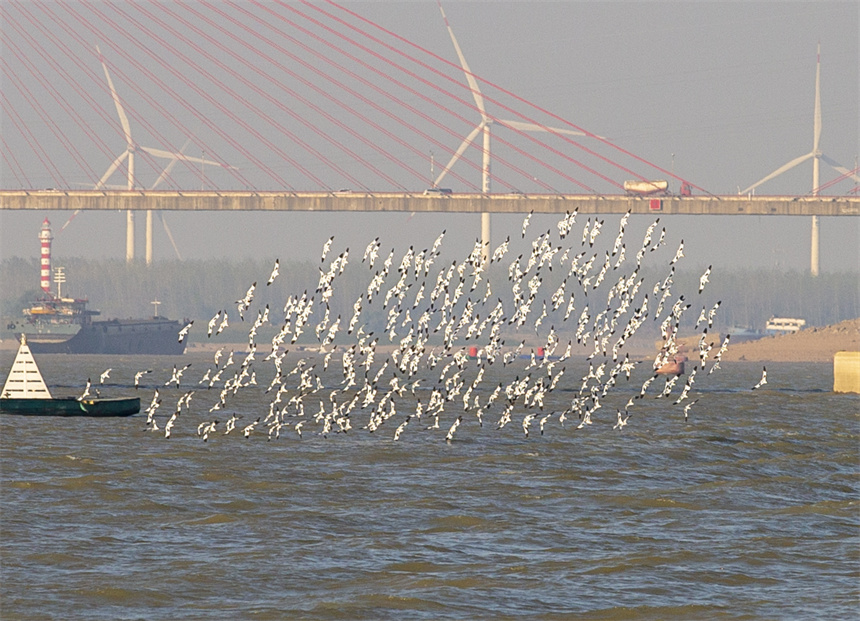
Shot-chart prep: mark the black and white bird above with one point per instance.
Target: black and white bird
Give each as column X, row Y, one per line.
column 371, row 253
column 105, row 375
column 526, row 221
column 243, row 304
column 212, row 323
column 177, row 374
column 527, row 422
column 703, row 280
column 326, row 248
column 453, row 429
column 170, row 423
column 138, row 375
column 86, row 392
column 688, row 407
column 679, row 254
column 184, row 331
column 400, row 429
column 763, row 379
column 250, row 428
column 275, row 271
column 207, row 428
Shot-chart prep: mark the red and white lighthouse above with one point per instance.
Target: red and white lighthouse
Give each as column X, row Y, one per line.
column 45, row 238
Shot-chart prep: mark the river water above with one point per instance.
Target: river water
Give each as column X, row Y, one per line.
column 748, row 510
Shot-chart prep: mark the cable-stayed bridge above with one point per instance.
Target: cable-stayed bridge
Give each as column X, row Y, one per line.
column 301, row 106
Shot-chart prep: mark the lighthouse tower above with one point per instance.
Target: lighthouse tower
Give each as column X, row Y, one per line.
column 45, row 238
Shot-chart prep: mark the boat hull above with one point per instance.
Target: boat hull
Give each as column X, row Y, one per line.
column 70, row 406
column 671, row 368
column 118, row 336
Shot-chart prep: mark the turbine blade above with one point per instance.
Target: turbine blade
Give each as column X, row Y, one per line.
column 840, row 168
column 71, row 217
column 169, row 235
column 105, row 186
column 779, row 171
column 111, row 169
column 168, row 168
column 473, row 83
column 816, row 130
column 168, row 155
column 123, row 119
column 460, row 150
column 533, row 127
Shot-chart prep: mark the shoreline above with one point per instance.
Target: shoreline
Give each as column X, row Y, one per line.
column 814, row 344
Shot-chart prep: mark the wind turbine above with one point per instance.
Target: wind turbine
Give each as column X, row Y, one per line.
column 816, row 155
column 128, row 154
column 484, row 127
column 157, row 182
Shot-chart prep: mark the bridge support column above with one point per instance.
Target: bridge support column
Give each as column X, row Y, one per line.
column 129, row 236
column 149, row 237
column 485, row 236
column 814, row 247
column 485, row 187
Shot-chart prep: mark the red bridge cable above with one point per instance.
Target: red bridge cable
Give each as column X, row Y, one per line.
column 352, row 92
column 146, row 97
column 61, row 101
column 10, row 159
column 399, row 101
column 144, row 70
column 280, row 105
column 520, row 99
column 516, row 97
column 472, row 106
column 251, row 86
column 36, row 104
column 433, row 86
column 264, row 139
column 339, row 102
column 27, row 133
column 487, row 98
column 256, row 110
column 111, row 121
column 832, row 182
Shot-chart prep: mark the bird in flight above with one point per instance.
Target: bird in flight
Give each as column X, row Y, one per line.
column 763, row 379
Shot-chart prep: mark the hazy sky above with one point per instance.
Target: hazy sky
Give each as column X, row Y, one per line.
column 719, row 93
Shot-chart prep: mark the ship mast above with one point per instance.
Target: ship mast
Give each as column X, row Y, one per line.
column 59, row 278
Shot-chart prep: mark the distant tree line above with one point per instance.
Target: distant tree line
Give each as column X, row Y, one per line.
column 198, row 289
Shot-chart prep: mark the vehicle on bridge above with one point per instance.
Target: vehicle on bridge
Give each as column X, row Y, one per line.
column 646, row 188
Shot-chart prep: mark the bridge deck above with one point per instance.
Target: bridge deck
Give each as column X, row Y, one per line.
column 398, row 201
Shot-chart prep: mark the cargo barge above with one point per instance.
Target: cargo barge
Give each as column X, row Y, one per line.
column 54, row 324
column 154, row 336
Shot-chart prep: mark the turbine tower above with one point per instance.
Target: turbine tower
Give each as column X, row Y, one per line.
column 816, row 156
column 484, row 128
column 128, row 154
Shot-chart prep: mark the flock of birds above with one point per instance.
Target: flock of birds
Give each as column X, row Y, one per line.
column 428, row 380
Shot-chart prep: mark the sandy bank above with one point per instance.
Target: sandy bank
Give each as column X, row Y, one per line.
column 809, row 345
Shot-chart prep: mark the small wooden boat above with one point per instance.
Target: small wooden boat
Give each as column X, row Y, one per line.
column 26, row 393
column 675, row 366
